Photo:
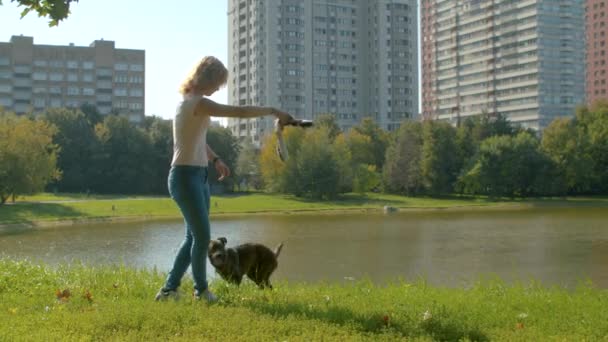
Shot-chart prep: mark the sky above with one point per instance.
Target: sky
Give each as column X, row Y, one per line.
column 175, row 37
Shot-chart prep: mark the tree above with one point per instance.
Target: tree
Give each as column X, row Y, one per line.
column 328, row 121
column 160, row 133
column 564, row 143
column 440, row 163
column 76, row 138
column 343, row 155
column 56, row 10
column 360, row 146
column 509, row 166
column 378, row 141
column 91, row 113
column 593, row 123
column 486, row 125
column 122, row 165
column 318, row 166
column 28, row 157
column 317, row 171
column 366, row 178
column 247, row 169
column 402, row 171
column 275, row 173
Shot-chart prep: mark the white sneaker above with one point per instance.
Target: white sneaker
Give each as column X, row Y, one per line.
column 164, row 294
column 206, row 295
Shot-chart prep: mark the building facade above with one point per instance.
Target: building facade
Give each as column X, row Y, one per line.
column 349, row 58
column 36, row 77
column 519, row 58
column 596, row 15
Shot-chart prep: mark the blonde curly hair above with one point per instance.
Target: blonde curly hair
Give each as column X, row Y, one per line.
column 209, row 71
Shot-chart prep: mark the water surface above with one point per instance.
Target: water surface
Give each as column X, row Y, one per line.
column 451, row 248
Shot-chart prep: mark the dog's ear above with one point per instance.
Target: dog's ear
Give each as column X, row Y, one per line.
column 223, row 240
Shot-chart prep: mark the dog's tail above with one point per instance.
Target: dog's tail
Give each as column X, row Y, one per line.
column 277, row 250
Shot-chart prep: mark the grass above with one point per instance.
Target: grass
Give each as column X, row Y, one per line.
column 115, row 303
column 74, row 207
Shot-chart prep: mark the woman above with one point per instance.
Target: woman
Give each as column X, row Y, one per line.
column 187, row 179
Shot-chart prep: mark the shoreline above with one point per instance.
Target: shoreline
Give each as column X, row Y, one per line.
column 41, row 224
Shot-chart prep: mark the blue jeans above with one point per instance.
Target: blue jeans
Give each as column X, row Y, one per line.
column 189, row 188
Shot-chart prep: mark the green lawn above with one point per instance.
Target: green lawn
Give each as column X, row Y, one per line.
column 116, row 304
column 66, row 207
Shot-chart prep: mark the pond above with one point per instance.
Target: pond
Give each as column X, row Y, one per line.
column 556, row 246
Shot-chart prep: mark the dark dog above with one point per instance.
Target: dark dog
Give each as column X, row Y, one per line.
column 252, row 259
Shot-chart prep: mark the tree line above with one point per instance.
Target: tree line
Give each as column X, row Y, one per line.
column 81, row 151
column 484, row 155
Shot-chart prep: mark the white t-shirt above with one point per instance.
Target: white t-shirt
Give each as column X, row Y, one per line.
column 190, row 134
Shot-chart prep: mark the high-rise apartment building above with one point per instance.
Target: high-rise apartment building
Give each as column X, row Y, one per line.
column 596, row 15
column 350, row 58
column 520, row 58
column 35, row 77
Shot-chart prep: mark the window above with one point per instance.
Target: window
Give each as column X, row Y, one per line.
column 136, row 105
column 120, row 92
column 136, row 92
column 39, row 76
column 88, row 91
column 23, row 69
column 121, row 67
column 104, row 72
column 104, row 98
column 136, row 67
column 56, row 103
column 87, row 65
column 39, row 103
column 72, row 103
column 72, row 64
column 55, row 76
column 121, row 78
column 104, row 84
column 136, row 79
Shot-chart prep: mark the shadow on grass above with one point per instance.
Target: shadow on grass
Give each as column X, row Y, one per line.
column 440, row 330
column 25, row 214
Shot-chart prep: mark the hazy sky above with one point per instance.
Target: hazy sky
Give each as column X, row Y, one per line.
column 175, row 36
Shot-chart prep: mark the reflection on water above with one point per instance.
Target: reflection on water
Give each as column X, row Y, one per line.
column 452, row 248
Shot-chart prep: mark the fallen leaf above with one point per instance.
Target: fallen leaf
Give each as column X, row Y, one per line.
column 63, row 295
column 88, row 296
